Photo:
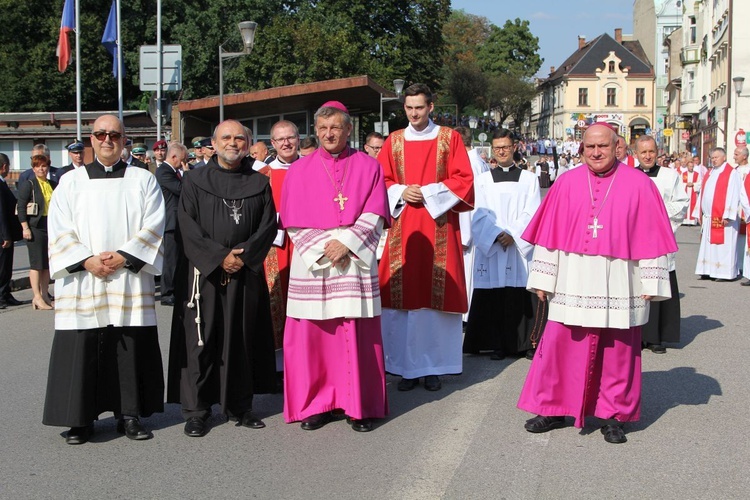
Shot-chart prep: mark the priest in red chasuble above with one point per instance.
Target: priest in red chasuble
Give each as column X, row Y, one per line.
column 598, row 272
column 429, row 181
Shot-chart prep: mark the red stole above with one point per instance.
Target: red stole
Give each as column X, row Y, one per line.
column 743, row 223
column 718, row 204
column 693, row 196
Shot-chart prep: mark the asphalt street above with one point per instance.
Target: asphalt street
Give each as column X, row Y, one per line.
column 464, row 442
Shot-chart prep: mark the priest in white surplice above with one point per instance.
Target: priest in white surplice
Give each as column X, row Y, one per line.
column 501, row 314
column 742, row 167
column 664, row 316
column 106, row 223
column 717, row 212
column 478, row 167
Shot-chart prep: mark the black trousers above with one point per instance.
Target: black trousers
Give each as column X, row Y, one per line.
column 6, row 271
column 170, row 264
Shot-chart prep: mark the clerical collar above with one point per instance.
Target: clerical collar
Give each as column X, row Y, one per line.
column 507, row 169
column 651, row 172
column 606, row 173
column 282, row 162
column 109, row 168
column 341, row 154
column 429, row 129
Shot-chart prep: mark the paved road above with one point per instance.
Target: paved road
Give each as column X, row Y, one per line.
column 463, row 442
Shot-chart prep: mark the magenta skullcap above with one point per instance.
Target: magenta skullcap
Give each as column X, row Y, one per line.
column 336, row 105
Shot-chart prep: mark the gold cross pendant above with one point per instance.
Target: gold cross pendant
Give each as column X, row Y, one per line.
column 340, row 199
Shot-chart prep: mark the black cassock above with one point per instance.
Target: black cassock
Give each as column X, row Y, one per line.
column 220, row 210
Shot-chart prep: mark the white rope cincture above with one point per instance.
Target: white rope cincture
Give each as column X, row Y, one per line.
column 195, row 297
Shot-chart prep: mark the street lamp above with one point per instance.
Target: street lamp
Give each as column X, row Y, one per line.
column 247, row 30
column 738, row 81
column 472, row 126
column 398, row 85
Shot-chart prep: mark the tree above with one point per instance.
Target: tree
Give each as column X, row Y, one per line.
column 466, row 84
column 509, row 95
column 464, row 34
column 511, row 49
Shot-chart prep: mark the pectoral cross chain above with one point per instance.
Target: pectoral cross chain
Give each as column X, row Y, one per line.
column 340, row 199
column 595, row 226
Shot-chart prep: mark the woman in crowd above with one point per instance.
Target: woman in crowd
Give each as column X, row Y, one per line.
column 37, row 192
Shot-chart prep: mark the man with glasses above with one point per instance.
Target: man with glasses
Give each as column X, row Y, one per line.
column 374, row 143
column 75, row 153
column 285, row 139
column 501, row 316
column 105, row 352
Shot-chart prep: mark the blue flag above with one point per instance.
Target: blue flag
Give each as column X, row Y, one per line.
column 109, row 39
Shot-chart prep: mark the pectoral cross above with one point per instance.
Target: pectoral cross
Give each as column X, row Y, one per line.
column 340, row 199
column 481, row 270
column 595, row 226
column 236, row 215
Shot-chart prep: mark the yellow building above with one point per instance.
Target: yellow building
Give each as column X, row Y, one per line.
column 606, row 80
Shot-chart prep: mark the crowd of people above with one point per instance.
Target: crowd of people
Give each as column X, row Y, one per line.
column 316, row 269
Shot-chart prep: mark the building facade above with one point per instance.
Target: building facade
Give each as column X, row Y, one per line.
column 606, row 80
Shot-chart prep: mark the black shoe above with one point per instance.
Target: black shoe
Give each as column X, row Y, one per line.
column 721, row 280
column 362, row 425
column 12, row 301
column 316, row 421
column 133, row 429
column 251, row 421
column 195, row 427
column 407, row 384
column 79, row 435
column 540, row 424
column 432, row 383
column 530, row 354
column 614, row 434
column 704, row 277
column 3, row 305
column 745, row 283
column 497, row 355
column 657, row 348
column 167, row 301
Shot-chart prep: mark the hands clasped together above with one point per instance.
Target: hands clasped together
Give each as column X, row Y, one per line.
column 104, row 264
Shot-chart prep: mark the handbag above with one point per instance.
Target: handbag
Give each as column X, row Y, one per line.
column 32, row 208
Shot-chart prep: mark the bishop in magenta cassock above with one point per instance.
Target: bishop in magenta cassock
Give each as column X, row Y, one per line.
column 429, row 181
column 599, row 274
column 333, row 351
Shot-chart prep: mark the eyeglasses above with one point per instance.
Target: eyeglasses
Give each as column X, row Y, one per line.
column 282, row 140
column 375, row 148
column 502, row 148
column 102, row 135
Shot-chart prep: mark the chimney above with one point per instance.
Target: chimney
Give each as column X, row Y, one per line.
column 551, row 69
column 581, row 41
column 618, row 35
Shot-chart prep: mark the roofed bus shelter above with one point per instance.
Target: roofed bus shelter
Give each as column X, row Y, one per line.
column 259, row 110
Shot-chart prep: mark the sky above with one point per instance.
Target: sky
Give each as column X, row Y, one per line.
column 557, row 24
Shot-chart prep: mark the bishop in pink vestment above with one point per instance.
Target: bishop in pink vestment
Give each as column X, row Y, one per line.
column 334, row 206
column 597, row 270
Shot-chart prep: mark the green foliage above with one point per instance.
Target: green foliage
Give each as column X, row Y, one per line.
column 511, row 49
column 296, row 41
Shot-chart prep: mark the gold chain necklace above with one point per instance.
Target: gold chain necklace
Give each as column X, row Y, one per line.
column 340, row 198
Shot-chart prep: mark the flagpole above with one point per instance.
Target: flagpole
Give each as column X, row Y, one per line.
column 78, row 71
column 119, row 65
column 158, row 70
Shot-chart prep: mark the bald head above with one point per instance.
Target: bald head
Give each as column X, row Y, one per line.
column 598, row 144
column 108, row 139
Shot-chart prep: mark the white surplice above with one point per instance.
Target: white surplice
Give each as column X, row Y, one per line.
column 478, row 167
column 742, row 171
column 503, row 207
column 675, row 199
column 719, row 261
column 613, row 302
column 696, row 178
column 124, row 214
column 318, row 290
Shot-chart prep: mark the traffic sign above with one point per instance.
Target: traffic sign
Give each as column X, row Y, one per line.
column 482, row 137
column 171, row 67
column 581, row 123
